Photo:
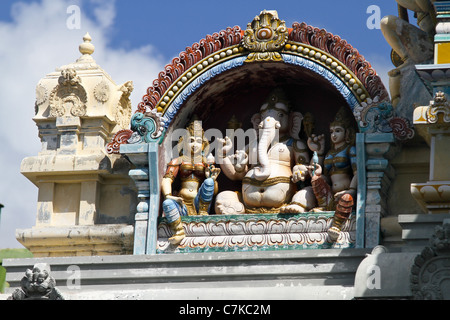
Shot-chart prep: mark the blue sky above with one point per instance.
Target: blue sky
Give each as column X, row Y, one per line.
column 134, row 39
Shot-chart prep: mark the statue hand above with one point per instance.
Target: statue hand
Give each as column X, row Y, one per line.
column 315, row 170
column 299, row 173
column 212, row 172
column 317, row 143
column 225, row 146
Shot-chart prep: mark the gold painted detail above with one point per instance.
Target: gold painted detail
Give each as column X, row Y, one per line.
column 439, row 110
column 331, row 63
column 264, row 37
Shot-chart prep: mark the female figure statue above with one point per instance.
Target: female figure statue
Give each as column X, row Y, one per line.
column 198, row 181
column 337, row 175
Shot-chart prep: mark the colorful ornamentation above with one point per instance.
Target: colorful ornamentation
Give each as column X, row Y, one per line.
column 345, row 53
column 257, row 232
column 439, row 105
column 264, row 37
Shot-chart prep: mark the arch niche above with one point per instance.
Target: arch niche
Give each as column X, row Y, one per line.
column 231, row 73
column 223, row 76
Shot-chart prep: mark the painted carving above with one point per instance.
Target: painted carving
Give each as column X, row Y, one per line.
column 345, row 53
column 145, row 128
column 37, row 284
column 439, row 106
column 69, row 96
column 268, row 177
column 198, row 181
column 248, row 232
column 334, row 174
column 379, row 117
column 264, row 36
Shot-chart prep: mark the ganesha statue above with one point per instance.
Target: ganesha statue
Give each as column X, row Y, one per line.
column 270, row 166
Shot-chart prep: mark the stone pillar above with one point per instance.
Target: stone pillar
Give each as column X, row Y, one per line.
column 380, row 148
column 86, row 199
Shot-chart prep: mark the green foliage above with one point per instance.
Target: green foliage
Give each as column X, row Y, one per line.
column 2, row 279
column 14, row 253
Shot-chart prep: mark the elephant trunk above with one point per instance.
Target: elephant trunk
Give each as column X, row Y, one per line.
column 268, row 130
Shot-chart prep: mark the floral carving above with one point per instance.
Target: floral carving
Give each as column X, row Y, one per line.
column 102, row 91
column 250, row 232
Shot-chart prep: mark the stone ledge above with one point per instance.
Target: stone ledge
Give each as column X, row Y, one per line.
column 218, row 275
column 78, row 240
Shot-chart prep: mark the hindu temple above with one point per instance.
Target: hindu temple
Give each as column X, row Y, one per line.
column 266, row 161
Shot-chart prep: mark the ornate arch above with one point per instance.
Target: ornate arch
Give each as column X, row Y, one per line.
column 311, row 48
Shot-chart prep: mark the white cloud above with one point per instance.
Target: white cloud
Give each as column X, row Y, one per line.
column 35, row 43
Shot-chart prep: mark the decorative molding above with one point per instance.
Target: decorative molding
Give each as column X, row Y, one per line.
column 344, row 61
column 345, row 53
column 69, row 96
column 430, row 273
column 257, row 232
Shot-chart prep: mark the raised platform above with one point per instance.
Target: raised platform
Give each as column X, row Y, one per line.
column 257, row 232
column 273, row 275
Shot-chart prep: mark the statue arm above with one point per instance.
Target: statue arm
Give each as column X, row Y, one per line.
column 232, row 171
column 171, row 173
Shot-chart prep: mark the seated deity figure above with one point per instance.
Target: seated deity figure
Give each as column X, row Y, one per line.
column 269, row 182
column 335, row 174
column 198, row 181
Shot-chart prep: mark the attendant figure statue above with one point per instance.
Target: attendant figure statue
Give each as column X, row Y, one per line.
column 336, row 174
column 198, row 181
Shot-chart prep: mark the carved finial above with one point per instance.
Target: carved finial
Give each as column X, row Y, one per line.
column 87, row 47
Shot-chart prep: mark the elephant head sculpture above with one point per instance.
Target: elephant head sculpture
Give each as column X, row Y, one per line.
column 275, row 120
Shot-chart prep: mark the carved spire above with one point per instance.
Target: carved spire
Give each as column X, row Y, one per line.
column 87, row 47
